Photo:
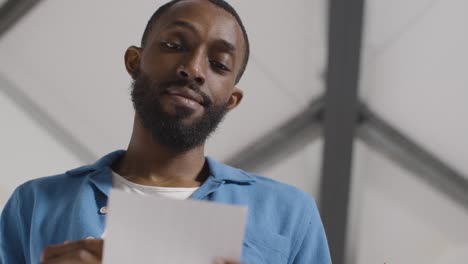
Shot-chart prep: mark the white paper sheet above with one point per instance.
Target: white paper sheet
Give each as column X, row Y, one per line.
column 143, row 229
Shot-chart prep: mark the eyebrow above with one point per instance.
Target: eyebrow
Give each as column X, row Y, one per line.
column 226, row 45
column 185, row 24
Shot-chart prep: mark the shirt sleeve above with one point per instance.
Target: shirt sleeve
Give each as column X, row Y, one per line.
column 314, row 246
column 11, row 236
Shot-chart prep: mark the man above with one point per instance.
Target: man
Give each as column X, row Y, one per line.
column 192, row 54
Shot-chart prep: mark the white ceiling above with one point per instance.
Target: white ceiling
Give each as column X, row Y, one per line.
column 396, row 218
column 27, row 150
column 414, row 72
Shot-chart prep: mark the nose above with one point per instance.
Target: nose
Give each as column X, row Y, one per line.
column 193, row 70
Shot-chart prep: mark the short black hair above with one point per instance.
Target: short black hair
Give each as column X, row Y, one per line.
column 220, row 3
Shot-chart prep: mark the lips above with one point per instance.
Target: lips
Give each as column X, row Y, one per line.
column 186, row 93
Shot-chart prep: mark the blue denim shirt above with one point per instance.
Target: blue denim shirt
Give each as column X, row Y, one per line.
column 283, row 223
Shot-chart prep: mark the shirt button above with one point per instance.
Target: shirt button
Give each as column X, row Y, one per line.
column 90, row 237
column 103, row 210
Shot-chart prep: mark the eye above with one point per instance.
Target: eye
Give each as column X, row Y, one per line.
column 172, row 45
column 219, row 66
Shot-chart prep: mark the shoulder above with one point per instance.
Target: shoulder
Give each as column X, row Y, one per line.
column 49, row 186
column 278, row 212
column 35, row 196
column 266, row 193
column 224, row 172
column 281, row 192
column 72, row 179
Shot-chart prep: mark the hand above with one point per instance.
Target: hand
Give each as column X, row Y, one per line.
column 225, row 261
column 81, row 252
column 85, row 252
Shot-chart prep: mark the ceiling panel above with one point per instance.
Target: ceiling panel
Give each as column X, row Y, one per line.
column 414, row 72
column 27, row 150
column 397, row 218
column 68, row 56
column 289, row 44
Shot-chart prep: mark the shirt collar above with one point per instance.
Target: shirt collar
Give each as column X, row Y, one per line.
column 223, row 172
column 100, row 173
column 99, row 165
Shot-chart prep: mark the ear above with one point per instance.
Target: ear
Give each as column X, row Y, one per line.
column 132, row 60
column 235, row 99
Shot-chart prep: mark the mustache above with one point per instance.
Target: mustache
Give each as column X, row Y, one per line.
column 181, row 83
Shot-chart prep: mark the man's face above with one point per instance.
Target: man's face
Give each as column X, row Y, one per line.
column 184, row 77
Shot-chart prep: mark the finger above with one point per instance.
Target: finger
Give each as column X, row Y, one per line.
column 225, row 261
column 57, row 250
column 91, row 245
column 77, row 256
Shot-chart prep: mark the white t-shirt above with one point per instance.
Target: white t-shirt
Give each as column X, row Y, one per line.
column 178, row 193
column 120, row 183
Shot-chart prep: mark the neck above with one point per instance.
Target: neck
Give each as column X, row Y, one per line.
column 150, row 163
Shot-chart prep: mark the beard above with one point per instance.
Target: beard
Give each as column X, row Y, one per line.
column 171, row 130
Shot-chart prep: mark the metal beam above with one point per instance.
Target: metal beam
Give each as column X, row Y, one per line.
column 341, row 107
column 44, row 120
column 393, row 144
column 282, row 141
column 12, row 11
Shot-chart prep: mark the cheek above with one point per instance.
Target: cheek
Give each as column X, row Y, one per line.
column 159, row 65
column 220, row 88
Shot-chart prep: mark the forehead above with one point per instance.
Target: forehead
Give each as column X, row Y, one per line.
column 211, row 21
